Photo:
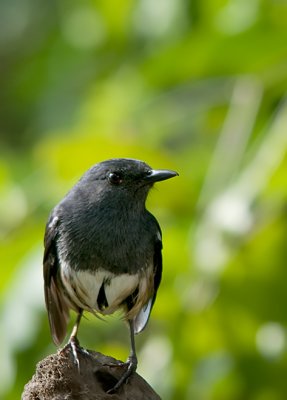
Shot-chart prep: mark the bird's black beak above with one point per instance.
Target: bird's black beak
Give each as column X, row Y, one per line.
column 156, row 175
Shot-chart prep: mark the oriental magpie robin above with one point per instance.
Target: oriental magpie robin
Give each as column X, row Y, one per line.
column 103, row 250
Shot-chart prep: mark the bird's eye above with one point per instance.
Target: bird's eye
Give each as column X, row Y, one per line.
column 115, row 178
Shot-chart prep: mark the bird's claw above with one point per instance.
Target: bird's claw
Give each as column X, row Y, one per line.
column 75, row 347
column 131, row 365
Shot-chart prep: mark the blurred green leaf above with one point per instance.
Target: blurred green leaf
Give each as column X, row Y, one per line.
column 198, row 87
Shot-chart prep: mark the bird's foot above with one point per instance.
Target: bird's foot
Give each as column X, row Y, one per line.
column 74, row 346
column 131, row 365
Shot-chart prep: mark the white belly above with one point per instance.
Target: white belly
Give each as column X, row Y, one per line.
column 83, row 288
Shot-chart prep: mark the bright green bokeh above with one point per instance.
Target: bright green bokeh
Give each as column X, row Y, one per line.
column 195, row 86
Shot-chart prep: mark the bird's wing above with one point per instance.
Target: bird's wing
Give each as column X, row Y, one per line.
column 58, row 311
column 142, row 317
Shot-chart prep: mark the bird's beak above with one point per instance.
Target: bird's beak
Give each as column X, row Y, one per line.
column 156, row 175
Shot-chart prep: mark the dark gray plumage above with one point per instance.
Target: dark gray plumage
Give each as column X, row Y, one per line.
column 103, row 249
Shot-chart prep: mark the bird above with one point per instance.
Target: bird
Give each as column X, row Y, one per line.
column 103, row 251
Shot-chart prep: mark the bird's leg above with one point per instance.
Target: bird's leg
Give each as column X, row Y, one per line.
column 73, row 337
column 73, row 341
column 131, row 362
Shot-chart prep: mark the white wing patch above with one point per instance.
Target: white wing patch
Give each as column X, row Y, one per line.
column 141, row 319
column 53, row 223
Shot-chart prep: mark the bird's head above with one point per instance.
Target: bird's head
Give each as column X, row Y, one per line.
column 123, row 177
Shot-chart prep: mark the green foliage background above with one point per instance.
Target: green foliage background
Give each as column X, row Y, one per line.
column 195, row 86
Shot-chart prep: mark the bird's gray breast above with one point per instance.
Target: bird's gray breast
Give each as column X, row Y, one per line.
column 106, row 258
column 116, row 243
